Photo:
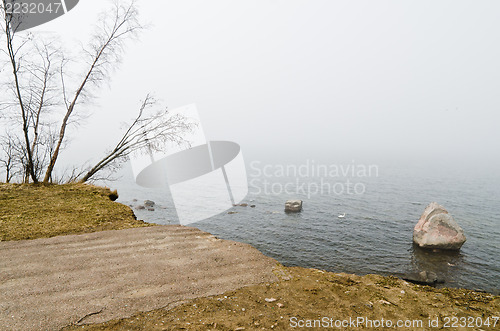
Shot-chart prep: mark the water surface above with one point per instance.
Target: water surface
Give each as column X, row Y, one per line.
column 376, row 234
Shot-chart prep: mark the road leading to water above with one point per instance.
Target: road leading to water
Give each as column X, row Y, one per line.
column 46, row 284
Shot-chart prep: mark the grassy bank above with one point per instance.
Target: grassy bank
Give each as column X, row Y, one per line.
column 309, row 295
column 41, row 211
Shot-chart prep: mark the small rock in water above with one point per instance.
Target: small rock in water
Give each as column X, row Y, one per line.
column 232, row 212
column 252, row 206
column 149, row 203
column 140, row 207
column 243, row 204
column 151, row 209
column 293, row 206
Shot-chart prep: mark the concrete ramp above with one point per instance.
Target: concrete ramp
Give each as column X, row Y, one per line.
column 46, row 284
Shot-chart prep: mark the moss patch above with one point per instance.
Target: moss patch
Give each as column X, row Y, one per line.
column 30, row 211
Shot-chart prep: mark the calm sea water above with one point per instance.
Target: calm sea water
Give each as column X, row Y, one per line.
column 376, row 234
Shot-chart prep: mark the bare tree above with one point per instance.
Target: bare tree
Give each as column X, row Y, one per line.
column 103, row 53
column 15, row 57
column 43, row 89
column 9, row 159
column 150, row 131
column 38, row 91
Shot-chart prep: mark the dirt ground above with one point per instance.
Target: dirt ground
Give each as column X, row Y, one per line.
column 303, row 296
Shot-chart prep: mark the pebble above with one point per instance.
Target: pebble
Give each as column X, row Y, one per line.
column 270, row 299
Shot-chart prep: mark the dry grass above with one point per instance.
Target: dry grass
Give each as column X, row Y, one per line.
column 39, row 211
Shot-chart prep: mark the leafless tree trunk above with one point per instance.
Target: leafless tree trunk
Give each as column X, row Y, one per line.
column 12, row 51
column 150, row 131
column 103, row 53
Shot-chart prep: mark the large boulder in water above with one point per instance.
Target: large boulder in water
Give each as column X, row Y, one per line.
column 293, row 206
column 436, row 229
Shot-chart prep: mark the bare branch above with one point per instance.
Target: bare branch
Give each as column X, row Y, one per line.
column 149, row 132
column 10, row 157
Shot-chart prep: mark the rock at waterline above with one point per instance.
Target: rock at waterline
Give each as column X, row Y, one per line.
column 293, row 206
column 149, row 203
column 240, row 205
column 436, row 229
column 424, row 278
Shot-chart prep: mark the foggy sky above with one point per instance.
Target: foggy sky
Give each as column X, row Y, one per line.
column 415, row 81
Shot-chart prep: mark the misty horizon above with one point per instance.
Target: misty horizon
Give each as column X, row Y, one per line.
column 410, row 84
